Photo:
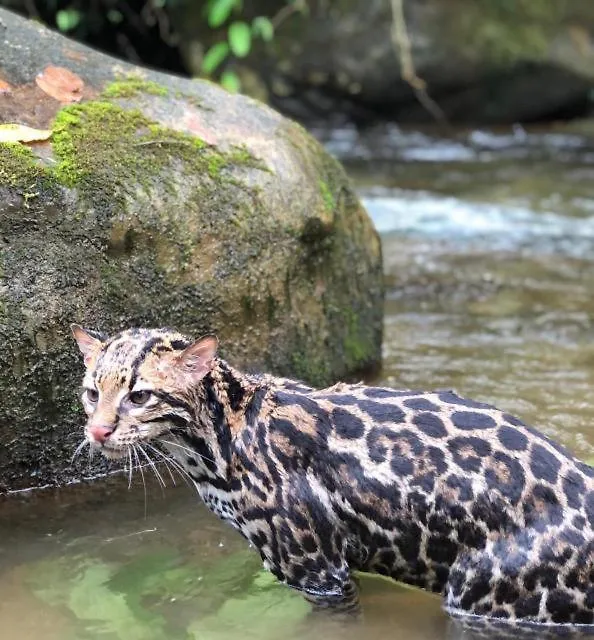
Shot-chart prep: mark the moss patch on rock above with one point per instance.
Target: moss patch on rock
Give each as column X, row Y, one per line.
column 19, row 167
column 330, row 246
column 130, row 87
column 94, row 137
column 327, row 195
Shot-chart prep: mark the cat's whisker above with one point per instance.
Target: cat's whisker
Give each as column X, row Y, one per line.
column 90, row 454
column 164, row 459
column 168, row 467
column 186, row 477
column 153, row 466
column 162, row 455
column 142, row 475
column 190, row 451
column 175, row 444
column 130, row 468
column 80, row 447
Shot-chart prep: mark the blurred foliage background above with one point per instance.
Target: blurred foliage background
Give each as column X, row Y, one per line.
column 471, row 61
column 137, row 30
column 142, row 31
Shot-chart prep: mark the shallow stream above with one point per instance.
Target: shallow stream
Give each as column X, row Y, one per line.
column 489, row 262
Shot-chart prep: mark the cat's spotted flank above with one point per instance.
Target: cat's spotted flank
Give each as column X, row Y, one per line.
column 431, row 489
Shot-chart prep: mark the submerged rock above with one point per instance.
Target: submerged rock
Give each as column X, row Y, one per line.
column 163, row 201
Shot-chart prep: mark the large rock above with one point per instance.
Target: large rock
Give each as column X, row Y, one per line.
column 163, row 201
column 483, row 60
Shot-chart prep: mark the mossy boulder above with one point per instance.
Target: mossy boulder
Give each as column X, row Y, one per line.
column 487, row 61
column 163, row 201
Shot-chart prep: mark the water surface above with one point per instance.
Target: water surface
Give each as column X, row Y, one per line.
column 489, row 263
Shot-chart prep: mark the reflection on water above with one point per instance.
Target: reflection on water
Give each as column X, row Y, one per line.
column 489, row 262
column 80, row 566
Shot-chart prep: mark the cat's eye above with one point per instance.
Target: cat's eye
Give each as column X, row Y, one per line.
column 139, row 397
column 92, row 395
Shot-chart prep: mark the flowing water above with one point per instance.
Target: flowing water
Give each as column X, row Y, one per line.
column 489, row 262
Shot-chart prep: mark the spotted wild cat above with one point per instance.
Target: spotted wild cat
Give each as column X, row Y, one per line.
column 429, row 488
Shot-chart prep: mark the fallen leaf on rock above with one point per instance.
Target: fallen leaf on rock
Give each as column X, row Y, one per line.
column 21, row 133
column 5, row 87
column 61, row 84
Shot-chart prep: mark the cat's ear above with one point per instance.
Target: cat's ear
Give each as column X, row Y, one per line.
column 196, row 360
column 89, row 342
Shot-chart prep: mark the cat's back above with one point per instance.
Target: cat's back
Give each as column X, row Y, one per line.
column 428, row 442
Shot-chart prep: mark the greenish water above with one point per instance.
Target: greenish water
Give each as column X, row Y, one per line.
column 89, row 565
column 489, row 262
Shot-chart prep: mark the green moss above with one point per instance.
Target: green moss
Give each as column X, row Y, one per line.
column 327, row 195
column 96, row 139
column 114, row 156
column 325, row 170
column 215, row 164
column 272, row 308
column 18, row 165
column 356, row 349
column 241, row 155
column 21, row 170
column 329, row 244
column 310, row 366
column 94, row 136
column 131, row 87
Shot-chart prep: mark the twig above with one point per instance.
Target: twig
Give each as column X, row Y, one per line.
column 287, row 11
column 152, row 15
column 401, row 42
column 147, row 143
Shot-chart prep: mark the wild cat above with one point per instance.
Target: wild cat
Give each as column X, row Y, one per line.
column 430, row 488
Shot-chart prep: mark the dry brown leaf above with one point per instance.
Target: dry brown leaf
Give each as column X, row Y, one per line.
column 61, row 84
column 5, row 87
column 21, row 133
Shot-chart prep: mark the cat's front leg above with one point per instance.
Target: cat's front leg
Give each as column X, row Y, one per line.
column 326, row 583
column 345, row 603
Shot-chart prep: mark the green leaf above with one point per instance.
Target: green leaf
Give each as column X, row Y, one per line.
column 115, row 16
column 219, row 11
column 240, row 38
column 214, row 57
column 67, row 19
column 263, row 27
column 230, row 80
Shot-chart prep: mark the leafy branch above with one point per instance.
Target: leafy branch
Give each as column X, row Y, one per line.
column 240, row 34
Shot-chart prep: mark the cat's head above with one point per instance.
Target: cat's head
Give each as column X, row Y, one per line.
column 139, row 384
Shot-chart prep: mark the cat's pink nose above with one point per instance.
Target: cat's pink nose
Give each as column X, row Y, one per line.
column 99, row 434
